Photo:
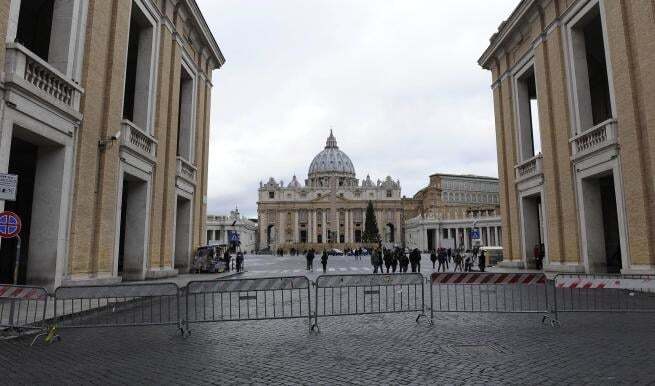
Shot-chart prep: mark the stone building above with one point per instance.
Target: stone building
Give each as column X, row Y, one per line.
column 444, row 213
column 105, row 119
column 329, row 209
column 220, row 228
column 573, row 85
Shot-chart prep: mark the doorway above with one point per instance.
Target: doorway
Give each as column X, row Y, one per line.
column 533, row 231
column 132, row 234
column 431, row 237
column 601, row 224
column 182, row 259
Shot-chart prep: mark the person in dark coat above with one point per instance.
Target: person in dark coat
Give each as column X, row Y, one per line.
column 443, row 260
column 227, row 258
column 310, row 259
column 239, row 261
column 394, row 260
column 482, row 261
column 387, row 259
column 324, row 260
column 412, row 260
column 433, row 258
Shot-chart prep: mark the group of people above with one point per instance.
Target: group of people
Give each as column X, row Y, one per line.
column 445, row 256
column 393, row 259
column 238, row 266
column 310, row 260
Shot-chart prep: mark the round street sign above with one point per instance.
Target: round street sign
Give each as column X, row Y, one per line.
column 9, row 225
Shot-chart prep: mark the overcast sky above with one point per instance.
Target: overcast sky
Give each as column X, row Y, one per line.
column 398, row 81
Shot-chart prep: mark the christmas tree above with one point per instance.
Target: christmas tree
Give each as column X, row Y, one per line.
column 371, row 234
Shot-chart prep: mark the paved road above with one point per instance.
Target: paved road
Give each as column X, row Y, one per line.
column 373, row 349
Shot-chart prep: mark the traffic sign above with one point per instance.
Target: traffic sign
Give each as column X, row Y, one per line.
column 234, row 237
column 8, row 183
column 475, row 234
column 10, row 225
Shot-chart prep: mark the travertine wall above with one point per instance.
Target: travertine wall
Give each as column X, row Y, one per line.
column 536, row 28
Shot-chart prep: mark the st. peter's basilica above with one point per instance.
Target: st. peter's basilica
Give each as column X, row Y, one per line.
column 329, row 209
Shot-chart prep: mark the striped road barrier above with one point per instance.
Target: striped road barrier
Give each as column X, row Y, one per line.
column 489, row 293
column 22, row 308
column 247, row 299
column 340, row 295
column 604, row 293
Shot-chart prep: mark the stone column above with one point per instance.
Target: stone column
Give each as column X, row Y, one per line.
column 280, row 229
column 324, row 227
column 338, row 225
column 296, row 227
column 346, row 225
column 496, row 242
column 314, row 227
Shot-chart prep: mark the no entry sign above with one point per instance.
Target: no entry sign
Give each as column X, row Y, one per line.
column 9, row 225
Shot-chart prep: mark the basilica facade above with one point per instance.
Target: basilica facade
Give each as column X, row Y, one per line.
column 328, row 210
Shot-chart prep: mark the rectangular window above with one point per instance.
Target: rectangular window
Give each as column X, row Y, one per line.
column 138, row 69
column 389, row 193
column 271, row 194
column 527, row 114
column 445, row 233
column 589, row 69
column 185, row 116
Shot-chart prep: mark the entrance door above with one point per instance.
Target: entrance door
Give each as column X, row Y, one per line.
column 601, row 224
column 132, row 236
column 431, row 237
column 532, row 221
column 183, row 234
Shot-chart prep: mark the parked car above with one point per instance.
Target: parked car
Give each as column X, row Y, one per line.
column 335, row 252
column 208, row 259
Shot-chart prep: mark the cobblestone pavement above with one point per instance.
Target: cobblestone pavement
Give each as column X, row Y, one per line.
column 389, row 349
column 461, row 348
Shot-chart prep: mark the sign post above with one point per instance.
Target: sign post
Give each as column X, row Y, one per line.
column 10, row 226
column 8, row 184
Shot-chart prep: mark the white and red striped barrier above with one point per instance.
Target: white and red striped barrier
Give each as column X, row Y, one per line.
column 564, row 281
column 487, row 278
column 20, row 292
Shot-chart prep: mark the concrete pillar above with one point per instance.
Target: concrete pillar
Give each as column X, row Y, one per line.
column 324, row 227
column 346, row 226
column 313, row 237
column 337, row 225
column 296, row 226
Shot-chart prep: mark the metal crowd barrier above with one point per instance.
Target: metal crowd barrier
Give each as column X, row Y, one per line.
column 22, row 308
column 118, row 305
column 339, row 295
column 489, row 293
column 248, row 299
column 604, row 293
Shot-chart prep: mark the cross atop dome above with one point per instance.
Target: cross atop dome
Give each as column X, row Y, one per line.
column 331, row 141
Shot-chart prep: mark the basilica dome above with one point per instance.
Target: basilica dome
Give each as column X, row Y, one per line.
column 331, row 160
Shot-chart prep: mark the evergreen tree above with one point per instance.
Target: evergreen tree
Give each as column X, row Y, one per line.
column 371, row 234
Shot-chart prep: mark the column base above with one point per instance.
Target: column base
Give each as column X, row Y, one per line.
column 511, row 264
column 87, row 279
column 565, row 267
column 160, row 273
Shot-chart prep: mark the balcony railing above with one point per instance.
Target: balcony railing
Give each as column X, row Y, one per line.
column 136, row 140
column 30, row 71
column 594, row 139
column 186, row 170
column 530, row 168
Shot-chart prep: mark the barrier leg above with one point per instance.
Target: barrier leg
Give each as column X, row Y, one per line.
column 314, row 327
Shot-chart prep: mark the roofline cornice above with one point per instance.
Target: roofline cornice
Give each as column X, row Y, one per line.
column 209, row 37
column 503, row 32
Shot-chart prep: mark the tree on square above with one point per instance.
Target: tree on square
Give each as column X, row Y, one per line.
column 371, row 233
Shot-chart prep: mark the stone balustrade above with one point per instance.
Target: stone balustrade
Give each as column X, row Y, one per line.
column 138, row 141
column 186, row 170
column 34, row 74
column 529, row 168
column 594, row 139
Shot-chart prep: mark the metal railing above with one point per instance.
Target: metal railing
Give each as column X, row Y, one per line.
column 248, row 299
column 489, row 293
column 118, row 305
column 340, row 295
column 604, row 293
column 22, row 307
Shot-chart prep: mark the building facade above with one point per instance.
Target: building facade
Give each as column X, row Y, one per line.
column 221, row 228
column 329, row 209
column 105, row 120
column 444, row 213
column 573, row 85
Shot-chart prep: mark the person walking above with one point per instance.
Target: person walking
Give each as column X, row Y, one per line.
column 433, row 258
column 412, row 260
column 458, row 261
column 239, row 261
column 374, row 261
column 309, row 257
column 227, row 258
column 443, row 260
column 482, row 261
column 450, row 255
column 417, row 258
column 324, row 260
column 387, row 259
column 394, row 260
